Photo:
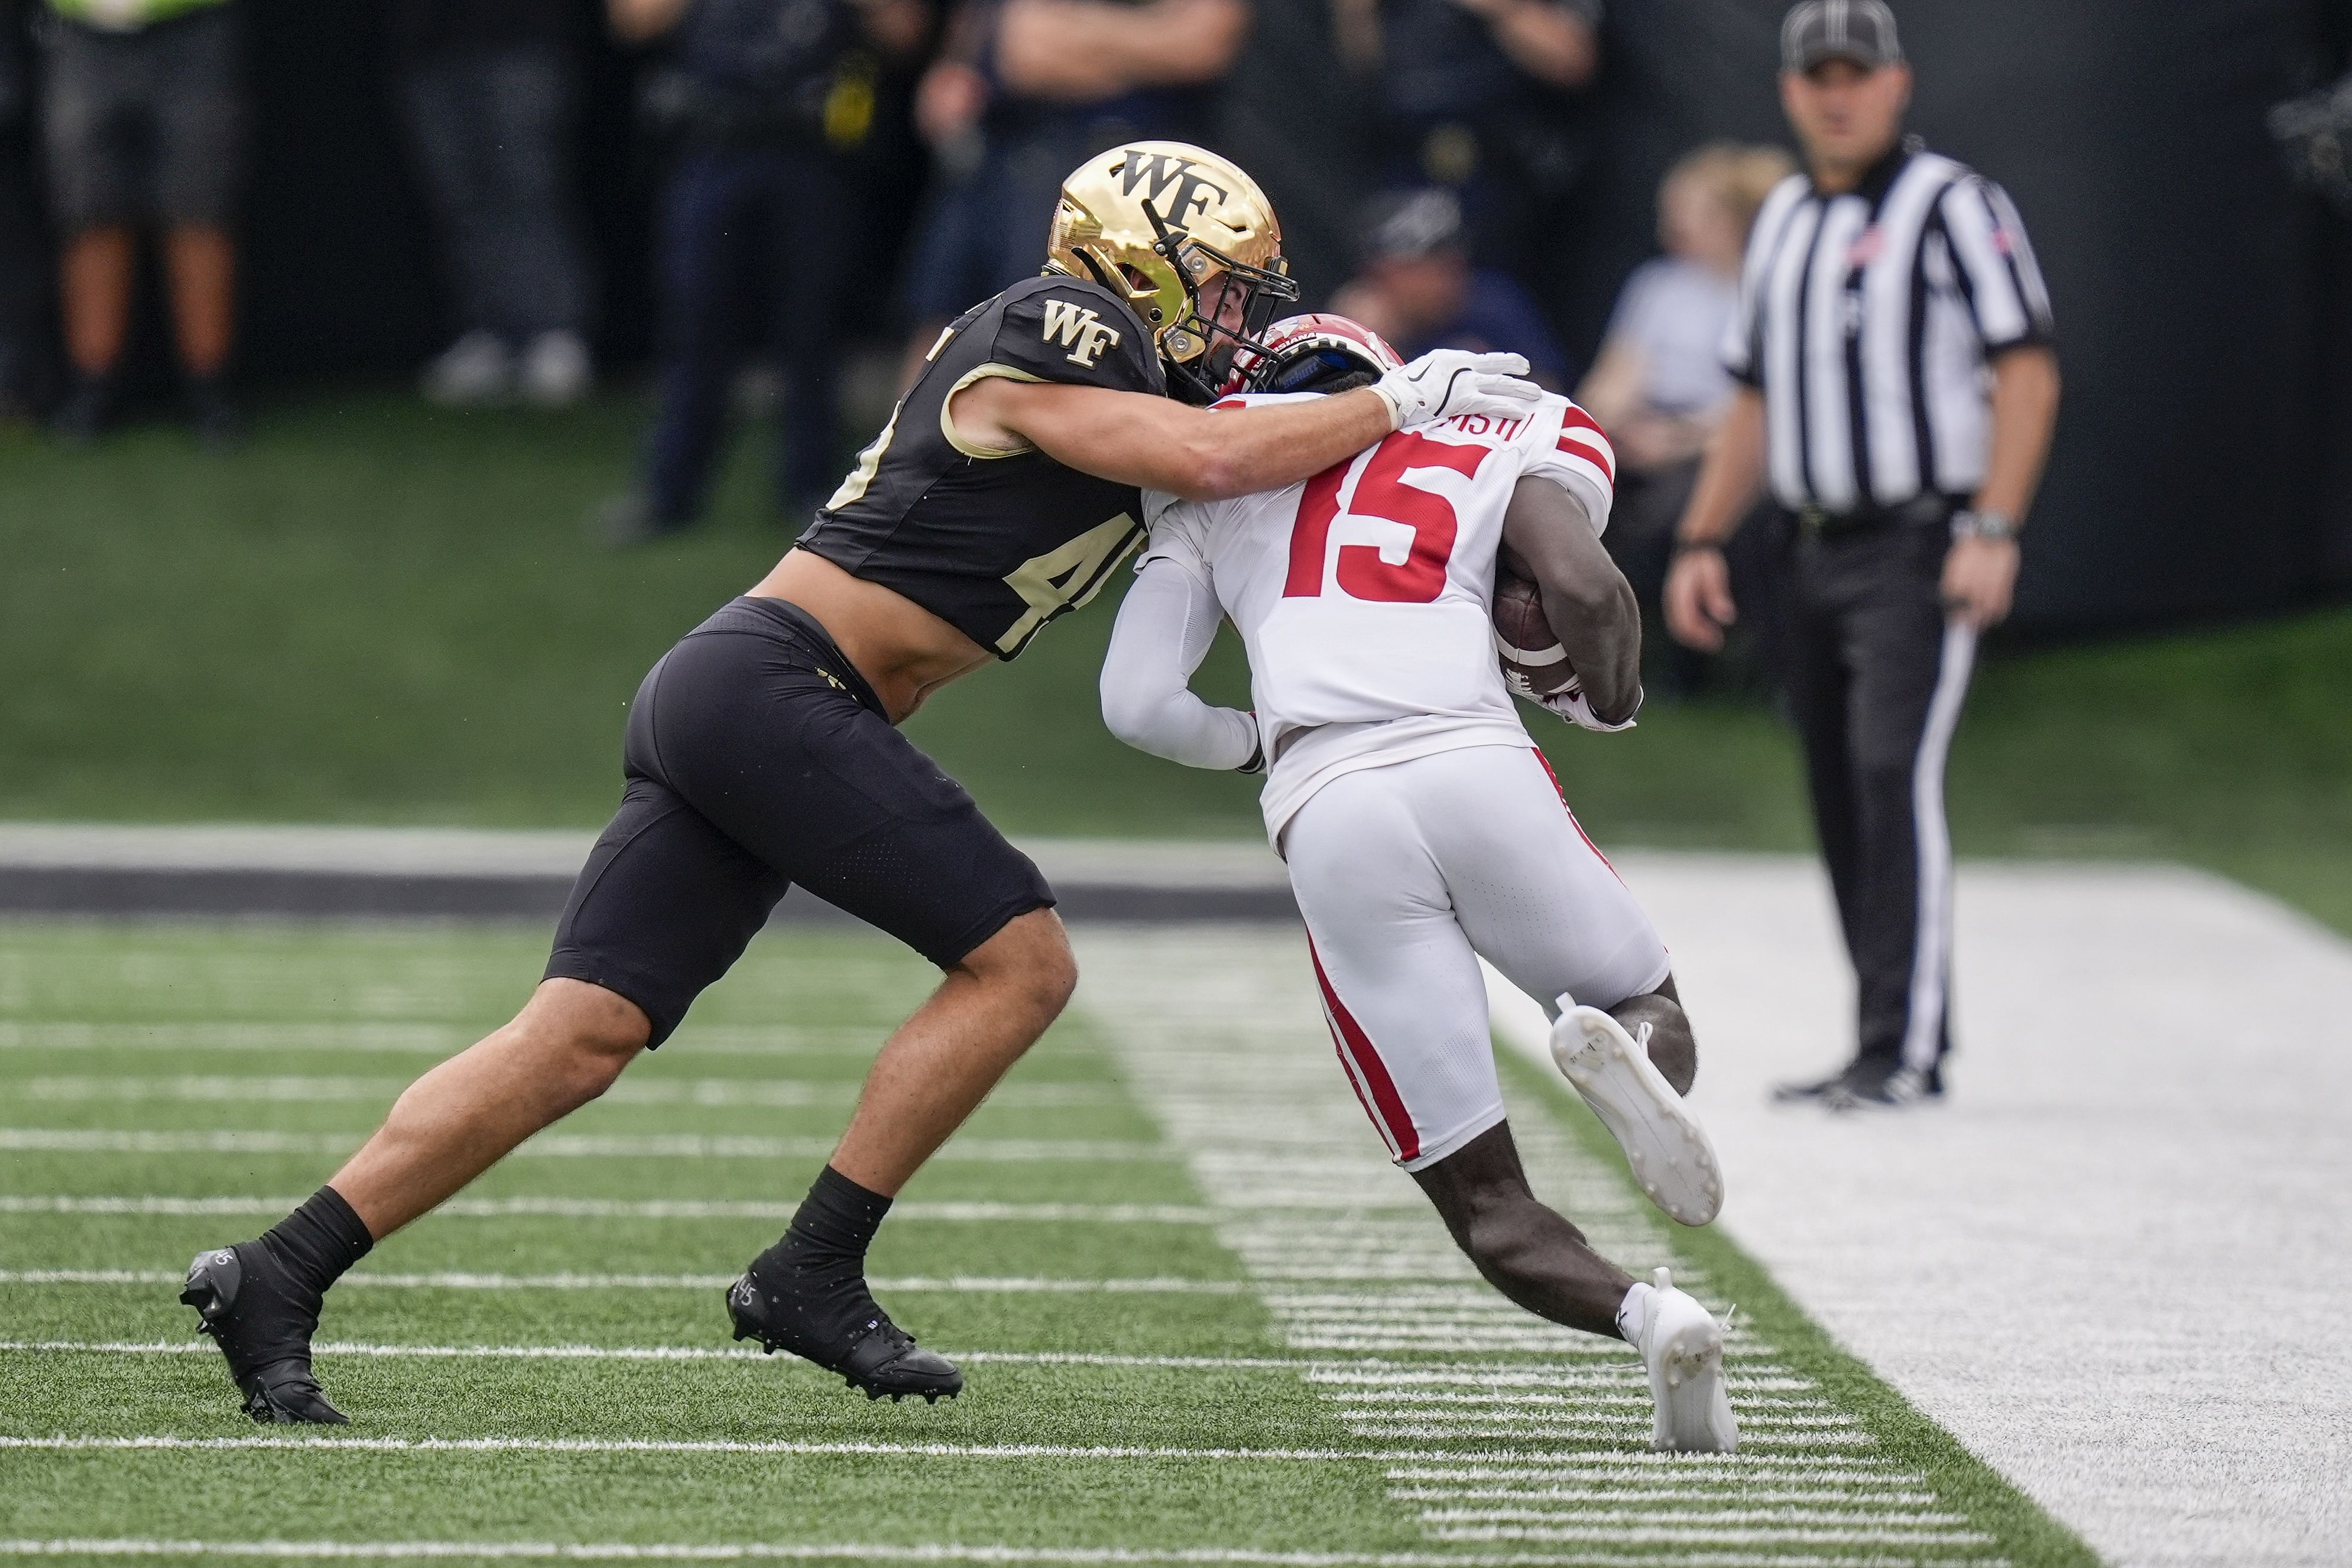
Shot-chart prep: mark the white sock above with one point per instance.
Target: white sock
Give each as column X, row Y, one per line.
column 1632, row 1313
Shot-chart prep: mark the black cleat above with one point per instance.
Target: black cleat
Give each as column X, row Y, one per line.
column 877, row 1357
column 243, row 1301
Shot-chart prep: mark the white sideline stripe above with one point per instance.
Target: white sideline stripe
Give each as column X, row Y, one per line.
column 561, row 1146
column 157, row 1442
column 313, row 1089
column 971, row 1284
column 726, row 1552
column 615, row 1209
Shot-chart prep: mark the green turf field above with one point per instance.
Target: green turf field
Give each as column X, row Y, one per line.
column 380, row 612
column 1159, row 1372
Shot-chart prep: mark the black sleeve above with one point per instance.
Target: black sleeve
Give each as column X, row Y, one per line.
column 1072, row 333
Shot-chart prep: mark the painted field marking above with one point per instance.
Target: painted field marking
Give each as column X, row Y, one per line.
column 730, row 1552
column 695, row 1353
column 566, row 1146
column 166, row 1442
column 713, row 1091
column 1696, row 1535
column 1712, row 1519
column 1662, row 1494
column 345, row 1036
column 1807, row 1477
column 618, row 1209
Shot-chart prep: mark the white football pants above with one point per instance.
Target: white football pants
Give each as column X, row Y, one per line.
column 1407, row 875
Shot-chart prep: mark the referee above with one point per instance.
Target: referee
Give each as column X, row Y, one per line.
column 1897, row 390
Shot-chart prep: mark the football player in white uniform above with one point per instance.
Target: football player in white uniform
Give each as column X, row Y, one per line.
column 1421, row 827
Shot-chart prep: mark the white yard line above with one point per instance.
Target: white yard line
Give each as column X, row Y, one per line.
column 620, row 1208
column 566, row 1145
column 159, row 1442
column 346, row 1037
column 313, row 1089
column 918, row 1551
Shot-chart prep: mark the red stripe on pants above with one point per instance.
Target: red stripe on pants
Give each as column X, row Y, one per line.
column 1358, row 1048
column 1572, row 822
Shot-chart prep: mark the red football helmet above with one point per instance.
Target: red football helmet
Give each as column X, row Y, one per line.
column 1300, row 350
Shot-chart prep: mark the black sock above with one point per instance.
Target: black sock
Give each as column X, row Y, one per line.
column 821, row 1260
column 319, row 1240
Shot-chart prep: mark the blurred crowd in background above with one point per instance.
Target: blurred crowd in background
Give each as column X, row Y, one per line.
column 512, row 199
column 830, row 174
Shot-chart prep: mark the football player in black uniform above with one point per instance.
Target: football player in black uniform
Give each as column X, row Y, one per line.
column 762, row 752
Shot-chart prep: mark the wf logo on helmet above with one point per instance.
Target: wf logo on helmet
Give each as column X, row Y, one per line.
column 1077, row 328
column 1156, row 171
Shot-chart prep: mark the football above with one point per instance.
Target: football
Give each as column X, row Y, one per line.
column 1524, row 639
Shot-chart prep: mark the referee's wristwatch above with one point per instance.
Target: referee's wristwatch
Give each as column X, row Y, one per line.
column 1986, row 524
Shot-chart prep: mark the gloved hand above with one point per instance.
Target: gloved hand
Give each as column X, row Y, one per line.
column 1447, row 382
column 1569, row 701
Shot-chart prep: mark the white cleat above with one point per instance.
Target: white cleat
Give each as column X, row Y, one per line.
column 1663, row 1143
column 1682, row 1345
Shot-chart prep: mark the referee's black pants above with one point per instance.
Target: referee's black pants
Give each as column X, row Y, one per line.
column 1876, row 677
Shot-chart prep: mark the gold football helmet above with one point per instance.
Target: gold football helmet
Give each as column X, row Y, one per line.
column 1153, row 222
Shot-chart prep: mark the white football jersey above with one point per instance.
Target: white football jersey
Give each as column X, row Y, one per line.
column 1365, row 594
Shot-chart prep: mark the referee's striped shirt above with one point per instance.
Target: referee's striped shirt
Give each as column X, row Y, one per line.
column 1867, row 319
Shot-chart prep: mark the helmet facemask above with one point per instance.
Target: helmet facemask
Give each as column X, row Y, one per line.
column 1198, row 353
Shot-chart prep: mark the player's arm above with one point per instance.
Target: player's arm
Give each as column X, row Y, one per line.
column 1698, row 587
column 1548, row 538
column 1164, row 629
column 1158, row 444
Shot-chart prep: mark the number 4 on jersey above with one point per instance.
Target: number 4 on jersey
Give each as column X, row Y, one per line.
column 1382, row 495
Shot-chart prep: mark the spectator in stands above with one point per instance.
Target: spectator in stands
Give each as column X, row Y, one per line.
column 765, row 101
column 1023, row 92
column 144, row 115
column 23, row 257
column 487, row 90
column 1659, row 386
column 1419, row 289
column 1484, row 98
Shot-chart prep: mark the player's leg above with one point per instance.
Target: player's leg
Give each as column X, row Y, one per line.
column 814, row 781
column 665, row 904
column 1540, row 903
column 1407, row 1006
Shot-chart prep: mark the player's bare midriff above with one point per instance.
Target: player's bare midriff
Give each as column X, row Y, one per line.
column 904, row 651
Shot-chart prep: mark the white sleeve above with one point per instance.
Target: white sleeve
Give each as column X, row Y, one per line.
column 1163, row 633
column 1577, row 456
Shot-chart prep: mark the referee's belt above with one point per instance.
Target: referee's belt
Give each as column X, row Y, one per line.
column 1920, row 511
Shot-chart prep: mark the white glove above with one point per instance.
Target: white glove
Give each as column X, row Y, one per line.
column 1569, row 701
column 1447, row 382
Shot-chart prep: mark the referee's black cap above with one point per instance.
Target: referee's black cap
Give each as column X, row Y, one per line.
column 1862, row 31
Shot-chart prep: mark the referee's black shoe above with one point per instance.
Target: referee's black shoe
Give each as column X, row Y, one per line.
column 869, row 1350
column 1868, row 1082
column 1877, row 1086
column 262, row 1320
column 1797, row 1092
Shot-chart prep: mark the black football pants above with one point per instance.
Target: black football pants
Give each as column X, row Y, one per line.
column 1876, row 678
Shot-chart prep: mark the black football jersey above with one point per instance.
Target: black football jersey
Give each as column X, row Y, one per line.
column 995, row 543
